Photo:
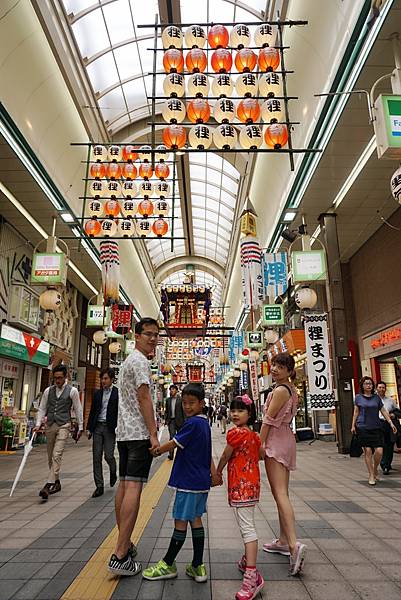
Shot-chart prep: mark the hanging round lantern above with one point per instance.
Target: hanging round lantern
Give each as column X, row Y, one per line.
column 198, row 110
column 108, row 228
column 98, row 153
column 162, row 171
column 222, row 86
column 248, row 110
column 218, row 36
column 97, row 188
column 144, row 153
column 240, row 36
column 145, row 208
column 271, row 336
column 174, row 85
column 173, row 61
column 97, row 170
column 254, row 354
column 245, row 60
column 162, row 189
column 50, row 300
column 265, row 35
column 251, row 137
column 161, row 208
column 196, row 60
column 113, row 189
column 243, row 366
column 129, row 171
column 114, row 347
column 129, row 208
column 161, row 155
column 173, row 111
column 195, row 37
column 269, row 59
column 200, row 136
column 112, row 208
column 276, row 135
column 145, row 170
column 146, row 189
column 126, row 227
column 130, row 153
column 198, row 85
column 143, row 228
column 95, row 208
column 160, row 227
column 174, row 136
column 100, row 337
column 247, row 85
column 273, row 110
column 225, row 136
column 222, row 60
column 305, row 298
column 172, row 37
column 92, row 228
column 270, row 85
column 115, row 153
column 224, row 110
column 395, row 185
column 113, row 170
column 129, row 189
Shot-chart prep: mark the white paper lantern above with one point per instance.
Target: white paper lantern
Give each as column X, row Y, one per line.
column 100, row 337
column 305, row 298
column 224, row 110
column 143, row 228
column 240, row 36
column 97, row 188
column 247, row 84
column 162, row 189
column 129, row 208
column 254, row 354
column 270, row 85
column 173, row 85
column 161, row 208
column 272, row 111
column 198, row 85
column 225, row 136
column 265, row 35
column 172, row 37
column 129, row 189
column 243, row 366
column 115, row 153
column 99, row 153
column 161, row 154
column 50, row 300
column 108, row 228
column 174, row 111
column 222, row 85
column 113, row 189
column 251, row 136
column 126, row 227
column 95, row 208
column 146, row 189
column 271, row 336
column 395, row 185
column 200, row 136
column 114, row 347
column 144, row 153
column 195, row 37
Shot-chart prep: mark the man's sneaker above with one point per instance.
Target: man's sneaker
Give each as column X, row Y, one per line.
column 56, row 487
column 276, row 548
column 197, row 573
column 126, row 566
column 160, row 571
column 297, row 559
column 133, row 550
column 242, row 564
column 252, row 583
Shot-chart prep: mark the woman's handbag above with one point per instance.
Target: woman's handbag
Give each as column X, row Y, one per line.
column 355, row 450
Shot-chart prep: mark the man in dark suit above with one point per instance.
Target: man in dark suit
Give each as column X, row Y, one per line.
column 102, row 423
column 174, row 416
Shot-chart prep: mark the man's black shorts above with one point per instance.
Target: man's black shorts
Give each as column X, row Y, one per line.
column 135, row 460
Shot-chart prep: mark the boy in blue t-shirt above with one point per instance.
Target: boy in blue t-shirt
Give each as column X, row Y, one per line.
column 192, row 474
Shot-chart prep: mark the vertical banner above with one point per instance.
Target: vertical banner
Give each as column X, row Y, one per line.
column 251, row 267
column 275, row 274
column 253, row 376
column 318, row 362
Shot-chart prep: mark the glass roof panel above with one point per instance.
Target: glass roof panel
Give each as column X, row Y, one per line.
column 119, row 22
column 103, row 73
column 91, row 34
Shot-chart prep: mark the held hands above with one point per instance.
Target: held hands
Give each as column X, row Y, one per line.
column 217, row 479
column 262, row 453
column 154, row 441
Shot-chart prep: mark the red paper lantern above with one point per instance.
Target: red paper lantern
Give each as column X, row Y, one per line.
column 276, row 135
column 129, row 171
column 222, row 61
column 245, row 60
column 112, row 208
column 97, row 170
column 198, row 110
column 218, row 36
column 145, row 208
column 269, row 59
column 130, row 153
column 160, row 227
column 174, row 136
column 92, row 227
column 173, row 61
column 145, row 170
column 248, row 110
column 196, row 61
column 113, row 170
column 162, row 171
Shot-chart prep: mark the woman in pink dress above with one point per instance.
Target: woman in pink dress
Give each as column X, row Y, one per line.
column 278, row 441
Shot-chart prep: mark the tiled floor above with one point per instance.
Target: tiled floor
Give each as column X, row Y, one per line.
column 352, row 532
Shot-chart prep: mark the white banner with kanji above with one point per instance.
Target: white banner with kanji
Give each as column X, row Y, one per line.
column 275, row 274
column 253, row 379
column 251, row 268
column 321, row 392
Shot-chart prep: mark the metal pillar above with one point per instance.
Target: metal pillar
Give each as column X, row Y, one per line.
column 341, row 361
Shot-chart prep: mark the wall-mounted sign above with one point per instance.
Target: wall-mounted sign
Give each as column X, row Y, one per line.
column 97, row 315
column 388, row 126
column 49, row 268
column 23, row 346
column 318, row 362
column 382, row 342
column 254, row 339
column 273, row 314
column 308, row 265
column 275, row 273
column 130, row 347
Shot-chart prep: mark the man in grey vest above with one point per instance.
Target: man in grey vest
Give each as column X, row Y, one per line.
column 56, row 404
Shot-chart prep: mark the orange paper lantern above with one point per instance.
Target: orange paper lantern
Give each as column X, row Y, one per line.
column 198, row 110
column 113, row 170
column 269, row 59
column 276, row 135
column 173, row 61
column 218, row 36
column 222, row 60
column 145, row 170
column 196, row 61
column 111, row 208
column 129, row 171
column 174, row 137
column 145, row 208
column 130, row 153
column 248, row 110
column 160, row 227
column 245, row 60
column 97, row 170
column 92, row 227
column 162, row 171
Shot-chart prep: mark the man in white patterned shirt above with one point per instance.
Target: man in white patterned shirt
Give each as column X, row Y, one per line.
column 136, row 434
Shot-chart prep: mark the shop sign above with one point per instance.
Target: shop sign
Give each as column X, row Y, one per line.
column 386, row 338
column 130, row 347
column 388, row 126
column 318, row 362
column 309, row 265
column 273, row 314
column 98, row 315
column 254, row 339
column 244, row 380
column 48, row 269
column 275, row 274
column 9, row 369
column 383, row 342
column 253, row 377
column 23, row 346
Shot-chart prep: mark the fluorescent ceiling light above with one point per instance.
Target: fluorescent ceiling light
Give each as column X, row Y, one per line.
column 67, row 217
column 289, row 216
column 359, row 165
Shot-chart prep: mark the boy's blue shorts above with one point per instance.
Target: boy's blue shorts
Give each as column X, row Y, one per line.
column 189, row 505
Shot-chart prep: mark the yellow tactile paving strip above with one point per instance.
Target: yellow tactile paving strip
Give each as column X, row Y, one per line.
column 94, row 582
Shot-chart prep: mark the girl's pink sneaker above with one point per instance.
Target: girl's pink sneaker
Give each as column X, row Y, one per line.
column 242, row 564
column 252, row 583
column 276, row 548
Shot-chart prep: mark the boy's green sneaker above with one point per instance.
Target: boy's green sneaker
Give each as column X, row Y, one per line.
column 160, row 571
column 197, row 573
